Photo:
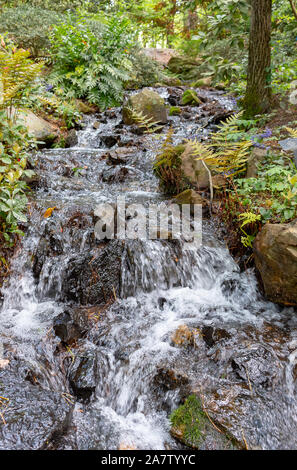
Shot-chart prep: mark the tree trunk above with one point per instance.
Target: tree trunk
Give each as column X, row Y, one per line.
column 170, row 24
column 294, row 8
column 258, row 91
column 190, row 23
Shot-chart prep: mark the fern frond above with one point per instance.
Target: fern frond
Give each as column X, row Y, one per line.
column 143, row 121
column 292, row 132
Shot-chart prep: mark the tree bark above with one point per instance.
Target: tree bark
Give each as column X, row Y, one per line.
column 190, row 23
column 294, row 8
column 258, row 92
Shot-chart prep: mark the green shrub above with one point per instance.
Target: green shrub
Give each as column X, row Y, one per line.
column 146, row 71
column 29, row 27
column 17, row 73
column 91, row 66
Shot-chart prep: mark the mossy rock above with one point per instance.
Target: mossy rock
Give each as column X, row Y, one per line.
column 174, row 111
column 168, row 168
column 190, row 98
column 178, row 169
column 207, row 81
column 185, row 68
column 84, row 108
column 149, row 104
column 191, row 426
column 171, row 81
column 189, row 196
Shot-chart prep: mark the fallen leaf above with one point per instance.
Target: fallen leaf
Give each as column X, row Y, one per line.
column 49, row 212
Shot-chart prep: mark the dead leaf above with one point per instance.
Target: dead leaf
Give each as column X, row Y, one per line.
column 49, row 212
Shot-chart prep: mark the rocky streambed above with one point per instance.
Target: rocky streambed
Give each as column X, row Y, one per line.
column 102, row 340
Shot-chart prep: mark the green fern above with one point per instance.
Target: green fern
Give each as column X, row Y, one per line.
column 145, row 122
column 248, row 218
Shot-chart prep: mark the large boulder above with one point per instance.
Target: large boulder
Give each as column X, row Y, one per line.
column 193, row 170
column 275, row 250
column 31, row 416
column 162, row 56
column 42, row 130
column 186, row 68
column 149, row 104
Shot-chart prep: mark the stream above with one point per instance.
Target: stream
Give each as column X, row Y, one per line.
column 94, row 334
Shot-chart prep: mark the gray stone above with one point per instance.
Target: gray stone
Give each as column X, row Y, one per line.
column 42, row 130
column 290, row 145
column 149, row 104
column 256, row 157
column 33, row 415
column 275, row 251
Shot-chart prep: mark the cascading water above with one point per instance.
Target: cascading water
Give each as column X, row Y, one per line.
column 244, row 353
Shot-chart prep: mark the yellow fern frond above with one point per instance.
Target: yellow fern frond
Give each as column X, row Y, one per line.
column 292, row 132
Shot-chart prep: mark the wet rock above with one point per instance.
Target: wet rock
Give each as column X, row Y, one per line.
column 136, row 130
column 33, row 415
column 170, row 379
column 174, row 97
column 93, row 278
column 109, row 140
column 185, row 336
column 212, row 335
column 66, row 328
column 83, row 375
column 71, row 139
column 121, row 155
column 149, row 104
column 257, row 156
column 275, row 251
column 33, row 181
column 258, row 367
column 97, row 124
column 115, row 175
column 193, row 427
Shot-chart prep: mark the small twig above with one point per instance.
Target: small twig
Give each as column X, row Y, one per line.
column 210, row 184
column 3, row 419
column 244, row 440
column 205, row 411
column 114, row 293
column 250, row 385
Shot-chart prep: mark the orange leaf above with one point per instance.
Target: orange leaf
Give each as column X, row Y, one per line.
column 49, row 212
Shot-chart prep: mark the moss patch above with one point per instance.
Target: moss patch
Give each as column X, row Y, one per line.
column 192, row 427
column 174, row 111
column 190, row 97
column 168, row 168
